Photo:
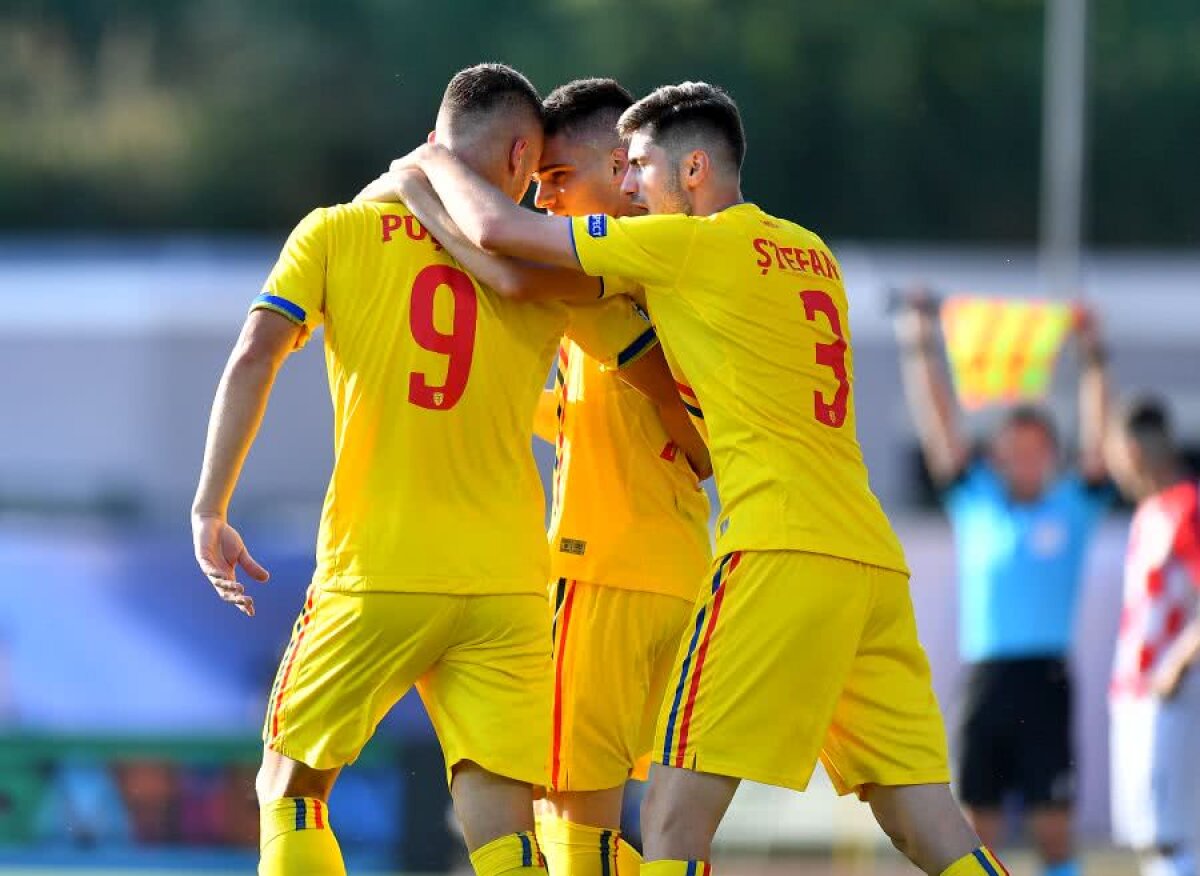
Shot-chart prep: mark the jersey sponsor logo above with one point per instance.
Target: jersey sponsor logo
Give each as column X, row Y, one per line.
column 575, row 546
column 597, row 225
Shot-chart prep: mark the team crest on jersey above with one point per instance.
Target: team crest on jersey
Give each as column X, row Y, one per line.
column 597, row 225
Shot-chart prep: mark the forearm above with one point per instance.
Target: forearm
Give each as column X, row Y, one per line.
column 679, row 427
column 237, row 413
column 1095, row 398
column 934, row 412
column 489, row 219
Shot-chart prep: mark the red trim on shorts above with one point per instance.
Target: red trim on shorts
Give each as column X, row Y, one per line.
column 560, row 658
column 318, row 816
column 287, row 669
column 685, row 725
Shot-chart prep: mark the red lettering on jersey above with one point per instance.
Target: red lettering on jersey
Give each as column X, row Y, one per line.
column 391, row 224
column 831, row 266
column 787, row 253
column 764, row 259
column 414, row 229
column 817, row 267
column 801, row 259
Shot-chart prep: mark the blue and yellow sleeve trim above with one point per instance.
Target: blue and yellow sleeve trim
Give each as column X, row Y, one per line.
column 282, row 306
column 642, row 345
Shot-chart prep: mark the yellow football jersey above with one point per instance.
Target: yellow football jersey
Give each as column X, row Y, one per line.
column 628, row 512
column 753, row 311
column 434, row 382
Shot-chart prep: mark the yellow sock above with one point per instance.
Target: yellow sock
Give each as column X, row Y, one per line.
column 573, row 849
column 514, row 855
column 981, row 862
column 296, row 839
column 676, row 868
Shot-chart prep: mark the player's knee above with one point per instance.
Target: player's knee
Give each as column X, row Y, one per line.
column 280, row 776
column 674, row 829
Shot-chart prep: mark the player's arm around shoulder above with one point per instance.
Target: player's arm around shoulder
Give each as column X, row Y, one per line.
column 486, row 216
column 508, row 277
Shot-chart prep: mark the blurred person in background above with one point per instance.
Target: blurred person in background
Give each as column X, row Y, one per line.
column 1022, row 526
column 1155, row 693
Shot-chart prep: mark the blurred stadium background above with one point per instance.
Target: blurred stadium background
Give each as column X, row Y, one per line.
column 153, row 155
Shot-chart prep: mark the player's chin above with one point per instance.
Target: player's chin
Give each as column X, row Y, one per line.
column 639, row 209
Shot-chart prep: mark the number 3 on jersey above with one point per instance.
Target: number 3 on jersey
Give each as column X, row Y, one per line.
column 832, row 356
column 458, row 346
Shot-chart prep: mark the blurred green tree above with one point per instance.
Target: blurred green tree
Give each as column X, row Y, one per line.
column 910, row 120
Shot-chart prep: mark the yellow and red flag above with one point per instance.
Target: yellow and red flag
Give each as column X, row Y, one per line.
column 1003, row 350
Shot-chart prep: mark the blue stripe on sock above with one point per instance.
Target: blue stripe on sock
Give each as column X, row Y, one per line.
column 526, row 850
column 299, row 813
column 985, row 863
column 691, row 868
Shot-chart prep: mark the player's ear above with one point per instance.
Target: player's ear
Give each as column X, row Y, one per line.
column 516, row 155
column 620, row 161
column 432, row 138
column 696, row 168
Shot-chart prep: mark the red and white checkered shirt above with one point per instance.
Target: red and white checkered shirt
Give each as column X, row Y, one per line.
column 1162, row 584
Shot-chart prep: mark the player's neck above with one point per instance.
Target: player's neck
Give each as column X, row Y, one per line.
column 1162, row 478
column 716, row 199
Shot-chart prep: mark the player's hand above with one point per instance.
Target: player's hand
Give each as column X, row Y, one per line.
column 391, row 187
column 219, row 551
column 914, row 318
column 1087, row 328
column 701, row 467
column 1166, row 681
column 412, row 161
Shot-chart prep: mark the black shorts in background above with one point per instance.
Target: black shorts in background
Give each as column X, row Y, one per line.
column 1015, row 736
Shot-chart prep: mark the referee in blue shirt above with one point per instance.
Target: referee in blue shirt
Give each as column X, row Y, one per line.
column 1021, row 527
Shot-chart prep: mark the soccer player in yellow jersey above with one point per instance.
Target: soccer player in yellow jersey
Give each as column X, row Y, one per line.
column 431, row 558
column 804, row 643
column 629, row 538
column 629, row 528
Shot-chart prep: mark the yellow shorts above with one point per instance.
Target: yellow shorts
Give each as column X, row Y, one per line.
column 791, row 656
column 613, row 654
column 481, row 665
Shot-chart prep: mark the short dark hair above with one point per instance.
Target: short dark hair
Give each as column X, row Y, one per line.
column 1031, row 415
column 485, row 87
column 690, row 109
column 577, row 103
column 1146, row 417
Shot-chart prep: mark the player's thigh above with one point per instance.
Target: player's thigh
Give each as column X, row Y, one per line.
column 350, row 658
column 607, row 648
column 1045, row 763
column 760, row 668
column 887, row 727
column 671, row 620
column 489, row 696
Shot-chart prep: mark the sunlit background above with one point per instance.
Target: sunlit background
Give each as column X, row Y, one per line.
column 153, row 156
